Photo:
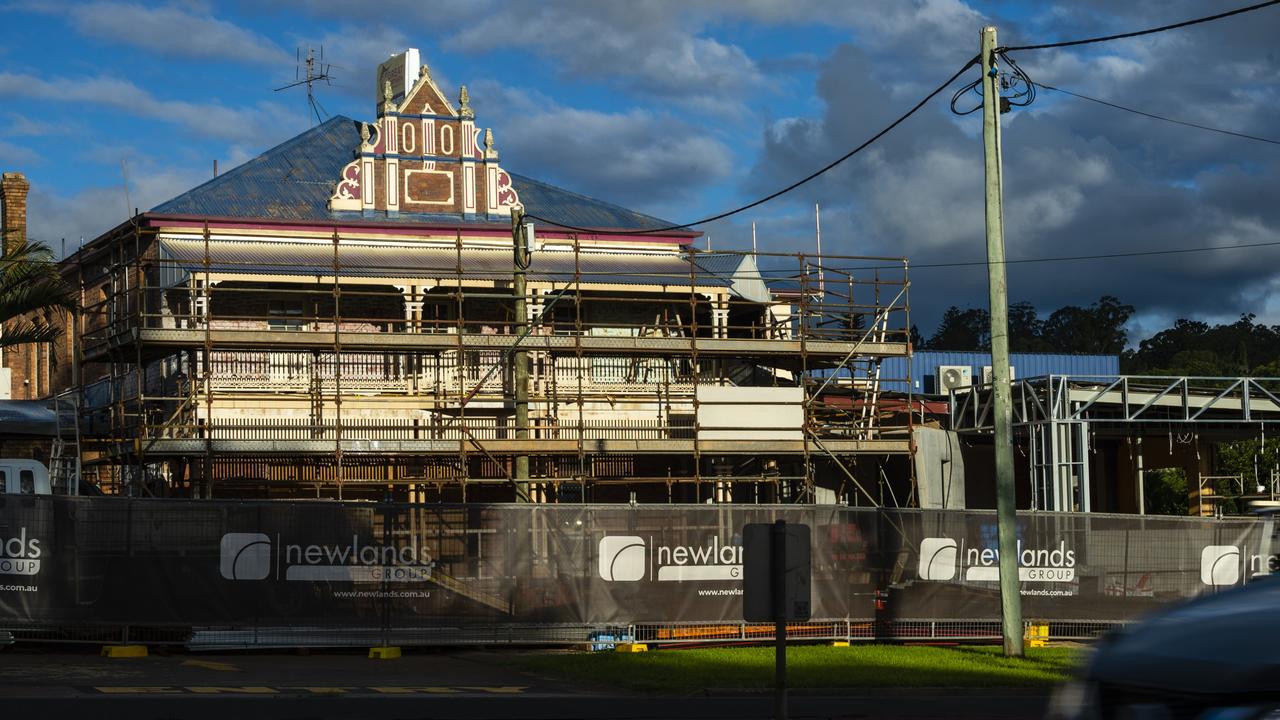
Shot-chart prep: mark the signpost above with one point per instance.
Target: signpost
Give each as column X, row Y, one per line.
column 776, row 562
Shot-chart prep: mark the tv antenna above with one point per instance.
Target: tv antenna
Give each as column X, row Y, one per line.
column 316, row 70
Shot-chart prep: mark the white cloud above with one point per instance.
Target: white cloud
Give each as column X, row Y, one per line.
column 21, row 126
column 637, row 156
column 174, row 32
column 13, row 155
column 96, row 209
column 646, row 47
column 263, row 121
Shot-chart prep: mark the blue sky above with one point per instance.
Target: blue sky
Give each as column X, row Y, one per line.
column 682, row 109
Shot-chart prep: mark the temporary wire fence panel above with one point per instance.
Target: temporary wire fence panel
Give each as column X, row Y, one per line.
column 238, row 574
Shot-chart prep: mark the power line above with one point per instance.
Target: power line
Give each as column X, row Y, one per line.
column 973, row 61
column 1059, row 258
column 1158, row 117
column 1138, row 33
column 912, row 111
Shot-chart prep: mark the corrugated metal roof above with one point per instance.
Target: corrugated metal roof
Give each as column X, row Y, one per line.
column 294, row 180
column 182, row 257
column 27, row 417
column 291, row 181
column 740, row 271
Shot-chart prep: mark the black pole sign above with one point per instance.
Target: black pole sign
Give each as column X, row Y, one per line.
column 762, row 574
column 776, row 587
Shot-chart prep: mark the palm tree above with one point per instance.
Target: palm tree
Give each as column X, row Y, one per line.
column 32, row 291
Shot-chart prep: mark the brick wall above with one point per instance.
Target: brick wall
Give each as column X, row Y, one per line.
column 13, row 214
column 35, row 371
column 13, row 223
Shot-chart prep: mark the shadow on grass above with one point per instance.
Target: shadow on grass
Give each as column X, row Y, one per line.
column 860, row 666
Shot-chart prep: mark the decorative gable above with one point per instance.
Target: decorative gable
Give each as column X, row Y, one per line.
column 422, row 155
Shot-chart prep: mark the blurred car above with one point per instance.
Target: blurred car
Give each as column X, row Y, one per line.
column 1216, row 657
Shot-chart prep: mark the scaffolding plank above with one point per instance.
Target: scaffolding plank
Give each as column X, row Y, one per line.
column 180, row 447
column 170, row 339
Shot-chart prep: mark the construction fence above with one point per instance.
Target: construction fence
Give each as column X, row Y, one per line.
column 241, row 574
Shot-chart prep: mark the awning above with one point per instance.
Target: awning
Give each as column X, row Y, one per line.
column 181, row 258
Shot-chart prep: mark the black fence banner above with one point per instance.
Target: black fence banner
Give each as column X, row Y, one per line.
column 261, row 564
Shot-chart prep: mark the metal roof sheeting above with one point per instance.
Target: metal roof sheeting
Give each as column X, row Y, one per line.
column 294, row 180
column 742, row 273
column 182, row 257
column 27, row 417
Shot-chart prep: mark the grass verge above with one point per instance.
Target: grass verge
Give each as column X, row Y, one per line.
column 809, row 666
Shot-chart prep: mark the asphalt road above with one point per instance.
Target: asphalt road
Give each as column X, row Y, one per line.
column 42, row 685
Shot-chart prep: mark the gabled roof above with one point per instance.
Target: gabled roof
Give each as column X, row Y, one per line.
column 294, row 180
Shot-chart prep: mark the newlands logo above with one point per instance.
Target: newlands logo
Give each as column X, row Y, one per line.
column 19, row 555
column 250, row 556
column 245, row 556
column 1230, row 564
column 942, row 557
column 1220, row 565
column 937, row 559
column 622, row 558
column 626, row 558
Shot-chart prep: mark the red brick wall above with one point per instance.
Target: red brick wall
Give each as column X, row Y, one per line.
column 13, row 215
column 13, row 223
column 36, row 371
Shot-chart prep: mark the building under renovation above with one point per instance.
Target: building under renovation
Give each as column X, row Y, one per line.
column 354, row 314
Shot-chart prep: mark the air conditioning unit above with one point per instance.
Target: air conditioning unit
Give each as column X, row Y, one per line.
column 988, row 377
column 954, row 377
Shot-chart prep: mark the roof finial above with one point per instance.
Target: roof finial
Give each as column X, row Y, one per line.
column 489, row 150
column 388, row 104
column 464, row 100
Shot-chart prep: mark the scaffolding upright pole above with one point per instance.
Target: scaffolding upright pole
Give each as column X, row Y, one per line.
column 520, row 357
column 1006, row 517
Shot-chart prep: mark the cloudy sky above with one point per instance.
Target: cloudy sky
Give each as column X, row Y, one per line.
column 682, row 109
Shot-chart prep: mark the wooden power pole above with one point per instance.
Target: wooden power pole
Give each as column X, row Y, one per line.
column 1006, row 499
column 520, row 357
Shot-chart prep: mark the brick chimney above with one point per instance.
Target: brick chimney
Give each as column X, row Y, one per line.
column 13, row 209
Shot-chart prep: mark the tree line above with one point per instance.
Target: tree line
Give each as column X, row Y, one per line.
column 1188, row 347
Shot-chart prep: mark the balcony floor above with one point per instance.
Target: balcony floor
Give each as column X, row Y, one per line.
column 174, row 447
column 162, row 341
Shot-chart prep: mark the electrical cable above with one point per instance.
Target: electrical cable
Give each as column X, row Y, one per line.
column 1021, row 97
column 1060, row 258
column 972, row 61
column 1017, row 88
column 1159, row 117
column 1138, row 33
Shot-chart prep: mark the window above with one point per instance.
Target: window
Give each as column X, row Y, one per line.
column 4, row 482
column 284, row 314
column 27, row 482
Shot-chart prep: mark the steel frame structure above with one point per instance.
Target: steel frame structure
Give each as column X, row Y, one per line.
column 1059, row 414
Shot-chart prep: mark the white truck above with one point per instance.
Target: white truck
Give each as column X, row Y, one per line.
column 24, row 477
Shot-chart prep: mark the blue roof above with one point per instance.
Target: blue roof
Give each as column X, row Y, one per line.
column 294, row 180
column 924, row 364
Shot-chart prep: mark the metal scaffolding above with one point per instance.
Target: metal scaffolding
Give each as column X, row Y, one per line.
column 387, row 367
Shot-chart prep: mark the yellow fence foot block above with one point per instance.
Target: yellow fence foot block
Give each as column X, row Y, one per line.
column 631, row 648
column 1037, row 635
column 384, row 653
column 839, row 643
column 124, row 651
